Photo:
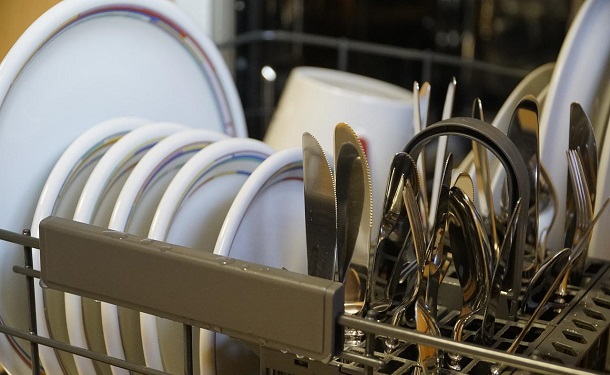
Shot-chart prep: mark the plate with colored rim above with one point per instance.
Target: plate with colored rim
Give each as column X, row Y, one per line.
column 80, row 63
column 95, row 204
column 275, row 192
column 59, row 198
column 191, row 213
column 133, row 213
column 265, row 225
column 580, row 75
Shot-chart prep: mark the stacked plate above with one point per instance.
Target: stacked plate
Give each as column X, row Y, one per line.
column 194, row 187
column 123, row 114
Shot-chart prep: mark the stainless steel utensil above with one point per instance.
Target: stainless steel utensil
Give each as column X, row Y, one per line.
column 419, row 243
column 441, row 150
column 483, row 177
column 464, row 182
column 575, row 252
column 320, row 210
column 435, row 263
column 421, row 99
column 518, row 184
column 554, row 270
column 583, row 211
column 543, row 280
column 472, row 257
column 582, row 139
column 354, row 198
column 389, row 257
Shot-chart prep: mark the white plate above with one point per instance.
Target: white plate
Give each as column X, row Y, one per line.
column 598, row 248
column 59, row 198
column 191, row 214
column 104, row 58
column 83, row 316
column 81, row 63
column 533, row 84
column 281, row 215
column 580, row 75
column 265, row 225
column 133, row 213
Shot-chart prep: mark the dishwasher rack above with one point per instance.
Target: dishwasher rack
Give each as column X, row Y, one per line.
column 306, row 336
column 307, row 312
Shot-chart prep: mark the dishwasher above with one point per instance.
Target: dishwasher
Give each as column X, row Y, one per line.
column 296, row 322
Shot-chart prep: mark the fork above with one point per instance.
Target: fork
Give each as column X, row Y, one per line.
column 583, row 210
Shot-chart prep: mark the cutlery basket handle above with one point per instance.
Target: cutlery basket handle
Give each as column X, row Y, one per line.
column 518, row 184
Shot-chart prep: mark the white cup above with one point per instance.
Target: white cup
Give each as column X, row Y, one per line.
column 315, row 100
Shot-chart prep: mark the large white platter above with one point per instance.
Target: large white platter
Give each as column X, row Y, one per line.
column 580, row 75
column 79, row 64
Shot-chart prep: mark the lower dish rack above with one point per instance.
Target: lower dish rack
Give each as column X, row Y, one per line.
column 306, row 336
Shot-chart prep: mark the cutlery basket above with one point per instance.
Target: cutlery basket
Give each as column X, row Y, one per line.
column 574, row 334
column 570, row 338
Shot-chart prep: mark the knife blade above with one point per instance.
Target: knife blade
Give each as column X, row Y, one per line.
column 441, row 149
column 354, row 202
column 483, row 177
column 320, row 210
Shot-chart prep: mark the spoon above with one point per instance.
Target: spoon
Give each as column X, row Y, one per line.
column 418, row 238
column 390, row 253
column 472, row 254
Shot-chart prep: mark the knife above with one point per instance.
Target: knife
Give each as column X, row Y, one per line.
column 523, row 131
column 354, row 197
column 483, row 176
column 441, row 149
column 354, row 203
column 320, row 210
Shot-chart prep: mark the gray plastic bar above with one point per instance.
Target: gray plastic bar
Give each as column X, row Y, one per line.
column 271, row 307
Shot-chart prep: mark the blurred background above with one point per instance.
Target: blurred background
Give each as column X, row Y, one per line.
column 487, row 45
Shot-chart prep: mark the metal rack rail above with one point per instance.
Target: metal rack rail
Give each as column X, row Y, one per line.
column 314, row 346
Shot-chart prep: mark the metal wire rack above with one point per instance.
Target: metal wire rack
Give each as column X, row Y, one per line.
column 570, row 338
